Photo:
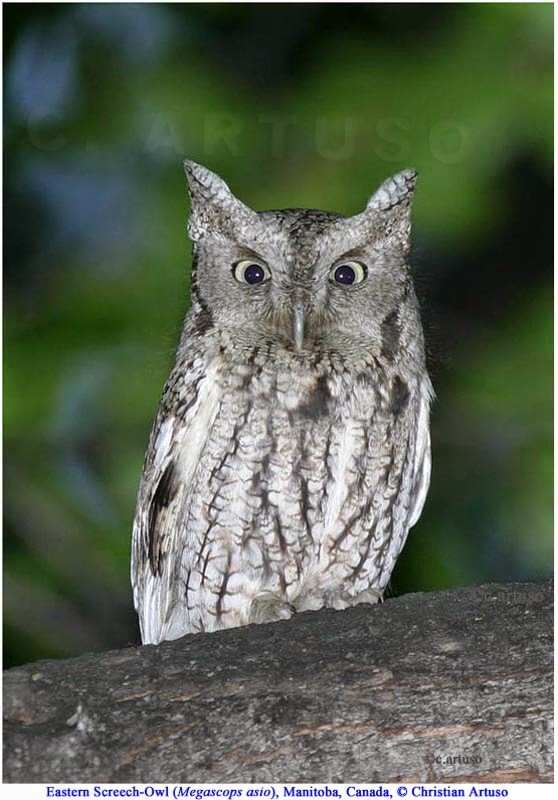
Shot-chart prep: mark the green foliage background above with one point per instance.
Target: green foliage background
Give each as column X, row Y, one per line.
column 295, row 105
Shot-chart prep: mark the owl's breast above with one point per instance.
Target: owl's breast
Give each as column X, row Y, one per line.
column 296, row 485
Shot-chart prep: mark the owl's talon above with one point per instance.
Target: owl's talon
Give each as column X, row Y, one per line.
column 269, row 608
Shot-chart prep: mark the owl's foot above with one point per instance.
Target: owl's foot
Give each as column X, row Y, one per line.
column 340, row 600
column 335, row 599
column 267, row 607
column 310, row 602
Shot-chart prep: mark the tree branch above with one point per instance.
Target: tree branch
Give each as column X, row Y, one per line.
column 446, row 686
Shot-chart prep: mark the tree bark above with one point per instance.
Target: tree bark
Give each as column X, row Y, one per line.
column 438, row 687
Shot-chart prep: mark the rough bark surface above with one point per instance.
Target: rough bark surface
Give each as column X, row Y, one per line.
column 446, row 686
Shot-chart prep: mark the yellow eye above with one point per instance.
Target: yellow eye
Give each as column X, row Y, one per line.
column 348, row 273
column 250, row 271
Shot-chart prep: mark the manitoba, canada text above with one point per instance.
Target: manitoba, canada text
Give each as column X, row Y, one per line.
column 274, row 792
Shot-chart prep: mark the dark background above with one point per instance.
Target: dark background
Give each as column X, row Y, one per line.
column 294, row 105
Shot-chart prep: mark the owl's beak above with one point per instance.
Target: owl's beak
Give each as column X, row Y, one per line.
column 299, row 322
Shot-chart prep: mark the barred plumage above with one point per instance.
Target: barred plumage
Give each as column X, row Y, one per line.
column 291, row 453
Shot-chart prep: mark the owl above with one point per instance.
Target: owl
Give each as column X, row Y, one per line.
column 290, row 454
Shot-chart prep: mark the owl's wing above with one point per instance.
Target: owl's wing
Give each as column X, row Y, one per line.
column 422, row 461
column 156, row 522
column 159, row 533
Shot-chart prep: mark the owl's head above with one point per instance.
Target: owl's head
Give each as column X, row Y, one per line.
column 311, row 280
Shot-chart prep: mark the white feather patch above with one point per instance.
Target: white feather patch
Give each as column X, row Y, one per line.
column 157, row 620
column 423, row 461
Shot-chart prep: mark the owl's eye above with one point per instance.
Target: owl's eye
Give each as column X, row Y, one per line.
column 348, row 273
column 251, row 272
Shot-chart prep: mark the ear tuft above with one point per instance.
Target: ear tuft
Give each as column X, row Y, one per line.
column 204, row 184
column 214, row 208
column 395, row 191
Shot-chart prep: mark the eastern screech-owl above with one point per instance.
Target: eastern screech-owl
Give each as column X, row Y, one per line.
column 290, row 454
